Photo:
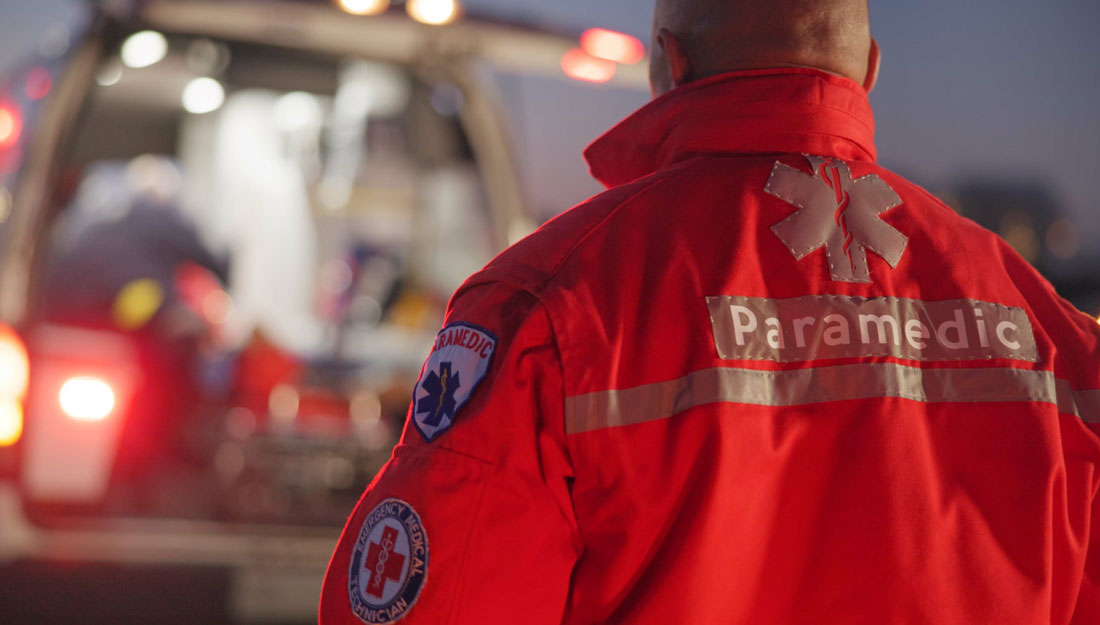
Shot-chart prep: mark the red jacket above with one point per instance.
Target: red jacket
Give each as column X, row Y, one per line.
column 760, row 380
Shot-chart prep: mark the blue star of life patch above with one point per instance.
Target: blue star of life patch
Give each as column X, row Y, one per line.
column 459, row 361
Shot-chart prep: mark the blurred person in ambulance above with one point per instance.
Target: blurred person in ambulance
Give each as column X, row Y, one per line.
column 759, row 380
column 128, row 261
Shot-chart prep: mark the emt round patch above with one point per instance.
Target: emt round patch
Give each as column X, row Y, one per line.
column 389, row 563
column 459, row 361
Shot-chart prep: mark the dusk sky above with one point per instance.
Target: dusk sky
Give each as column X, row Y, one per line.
column 997, row 89
column 1002, row 89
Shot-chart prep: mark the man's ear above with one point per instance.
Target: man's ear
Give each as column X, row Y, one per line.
column 874, row 61
column 679, row 65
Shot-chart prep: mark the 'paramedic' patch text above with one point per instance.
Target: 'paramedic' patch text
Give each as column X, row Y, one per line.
column 818, row 327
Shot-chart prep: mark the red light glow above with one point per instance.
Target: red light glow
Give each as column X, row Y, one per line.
column 217, row 307
column 10, row 160
column 85, row 398
column 580, row 65
column 612, row 46
column 14, row 365
column 10, row 126
column 38, row 83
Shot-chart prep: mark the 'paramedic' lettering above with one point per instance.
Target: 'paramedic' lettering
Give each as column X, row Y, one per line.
column 465, row 337
column 817, row 327
column 455, row 368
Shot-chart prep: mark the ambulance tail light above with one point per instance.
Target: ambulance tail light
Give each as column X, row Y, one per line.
column 80, row 399
column 87, row 398
column 612, row 46
column 580, row 65
column 14, row 374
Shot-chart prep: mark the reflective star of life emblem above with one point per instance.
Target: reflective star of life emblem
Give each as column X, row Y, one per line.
column 839, row 214
column 459, row 361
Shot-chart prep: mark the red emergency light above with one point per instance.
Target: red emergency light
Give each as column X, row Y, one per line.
column 11, row 125
column 38, row 83
column 14, row 374
column 612, row 46
column 580, row 65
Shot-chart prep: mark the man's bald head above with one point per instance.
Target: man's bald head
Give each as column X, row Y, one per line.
column 716, row 36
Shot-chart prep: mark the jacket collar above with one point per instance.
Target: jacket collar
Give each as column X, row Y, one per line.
column 787, row 110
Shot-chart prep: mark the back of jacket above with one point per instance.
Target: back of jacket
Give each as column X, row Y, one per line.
column 794, row 388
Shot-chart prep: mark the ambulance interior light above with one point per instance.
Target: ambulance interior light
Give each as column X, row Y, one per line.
column 434, row 12
column 363, row 7
column 143, row 49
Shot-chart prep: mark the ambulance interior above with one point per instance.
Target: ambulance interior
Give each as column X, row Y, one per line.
column 341, row 203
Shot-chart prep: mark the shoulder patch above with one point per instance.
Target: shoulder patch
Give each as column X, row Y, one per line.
column 389, row 564
column 459, row 361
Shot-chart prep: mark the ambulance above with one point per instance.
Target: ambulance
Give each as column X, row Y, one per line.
column 228, row 232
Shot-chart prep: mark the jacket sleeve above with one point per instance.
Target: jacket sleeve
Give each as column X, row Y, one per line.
column 1087, row 611
column 475, row 525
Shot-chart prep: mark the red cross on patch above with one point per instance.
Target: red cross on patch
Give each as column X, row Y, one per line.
column 382, row 563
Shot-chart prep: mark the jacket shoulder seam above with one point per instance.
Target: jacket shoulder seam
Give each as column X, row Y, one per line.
column 683, row 167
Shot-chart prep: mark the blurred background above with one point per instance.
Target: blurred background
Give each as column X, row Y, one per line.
column 228, row 232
